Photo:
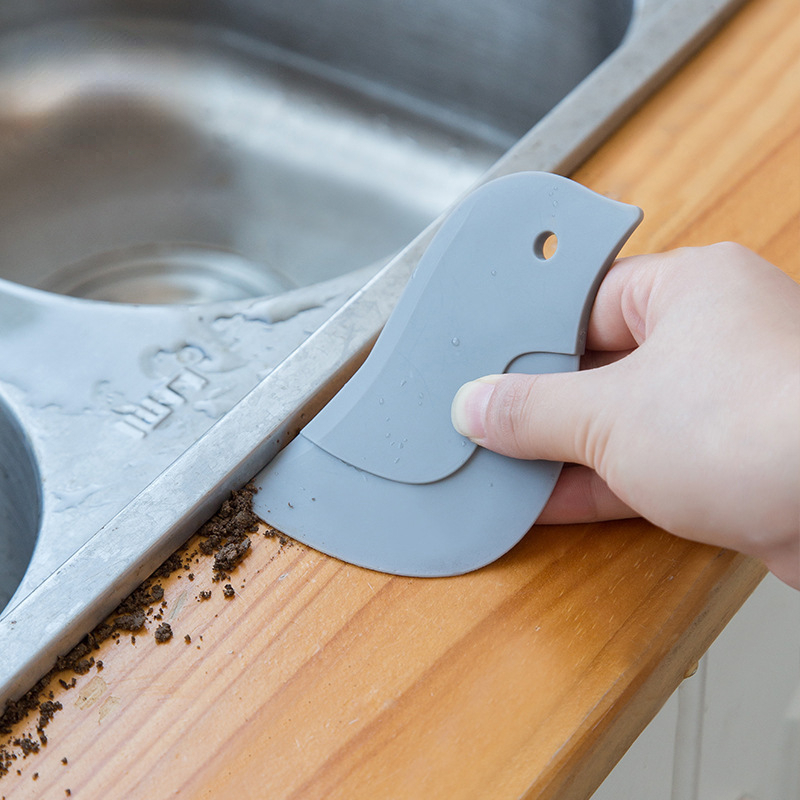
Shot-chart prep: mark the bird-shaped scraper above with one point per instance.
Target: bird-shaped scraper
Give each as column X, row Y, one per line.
column 380, row 478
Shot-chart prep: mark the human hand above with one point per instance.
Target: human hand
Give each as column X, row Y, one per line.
column 686, row 410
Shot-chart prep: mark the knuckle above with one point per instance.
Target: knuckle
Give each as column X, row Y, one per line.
column 511, row 413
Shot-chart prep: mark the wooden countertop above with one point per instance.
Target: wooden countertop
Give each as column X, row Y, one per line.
column 527, row 678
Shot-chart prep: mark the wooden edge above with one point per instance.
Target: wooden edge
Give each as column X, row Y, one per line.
column 615, row 723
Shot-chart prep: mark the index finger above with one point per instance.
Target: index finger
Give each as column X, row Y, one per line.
column 618, row 321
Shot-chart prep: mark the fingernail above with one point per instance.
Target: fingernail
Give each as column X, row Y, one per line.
column 468, row 410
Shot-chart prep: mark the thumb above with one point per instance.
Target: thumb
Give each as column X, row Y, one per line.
column 557, row 417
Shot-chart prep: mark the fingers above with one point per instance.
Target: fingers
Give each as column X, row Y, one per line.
column 582, row 496
column 621, row 311
column 569, row 416
column 639, row 291
column 565, row 417
column 555, row 417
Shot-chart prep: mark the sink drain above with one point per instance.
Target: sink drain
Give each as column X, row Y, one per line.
column 167, row 273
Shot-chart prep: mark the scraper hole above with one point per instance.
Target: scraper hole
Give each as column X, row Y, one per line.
column 545, row 245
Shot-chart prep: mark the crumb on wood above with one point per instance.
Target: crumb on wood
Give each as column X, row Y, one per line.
column 224, row 536
column 163, row 633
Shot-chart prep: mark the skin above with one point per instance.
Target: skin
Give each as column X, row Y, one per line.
column 686, row 410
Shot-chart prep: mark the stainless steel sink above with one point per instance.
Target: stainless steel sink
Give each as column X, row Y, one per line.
column 189, row 194
column 192, row 152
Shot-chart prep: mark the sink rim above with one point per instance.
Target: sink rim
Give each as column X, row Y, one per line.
column 38, row 628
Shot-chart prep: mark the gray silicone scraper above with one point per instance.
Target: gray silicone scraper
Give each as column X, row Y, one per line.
column 379, row 477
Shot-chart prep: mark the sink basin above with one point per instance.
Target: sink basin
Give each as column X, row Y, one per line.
column 207, row 212
column 207, row 152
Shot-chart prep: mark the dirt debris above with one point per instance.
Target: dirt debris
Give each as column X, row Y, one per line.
column 129, row 622
column 229, row 555
column 225, row 536
column 163, row 633
column 27, row 744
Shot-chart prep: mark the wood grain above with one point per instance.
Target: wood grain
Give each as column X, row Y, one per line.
column 527, row 678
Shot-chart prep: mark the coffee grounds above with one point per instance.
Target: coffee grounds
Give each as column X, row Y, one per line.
column 46, row 711
column 163, row 633
column 274, row 533
column 224, row 536
column 172, row 564
column 231, row 523
column 230, row 555
column 27, row 744
column 129, row 622
column 17, row 710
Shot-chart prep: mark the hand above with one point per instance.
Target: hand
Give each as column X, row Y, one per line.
column 686, row 410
